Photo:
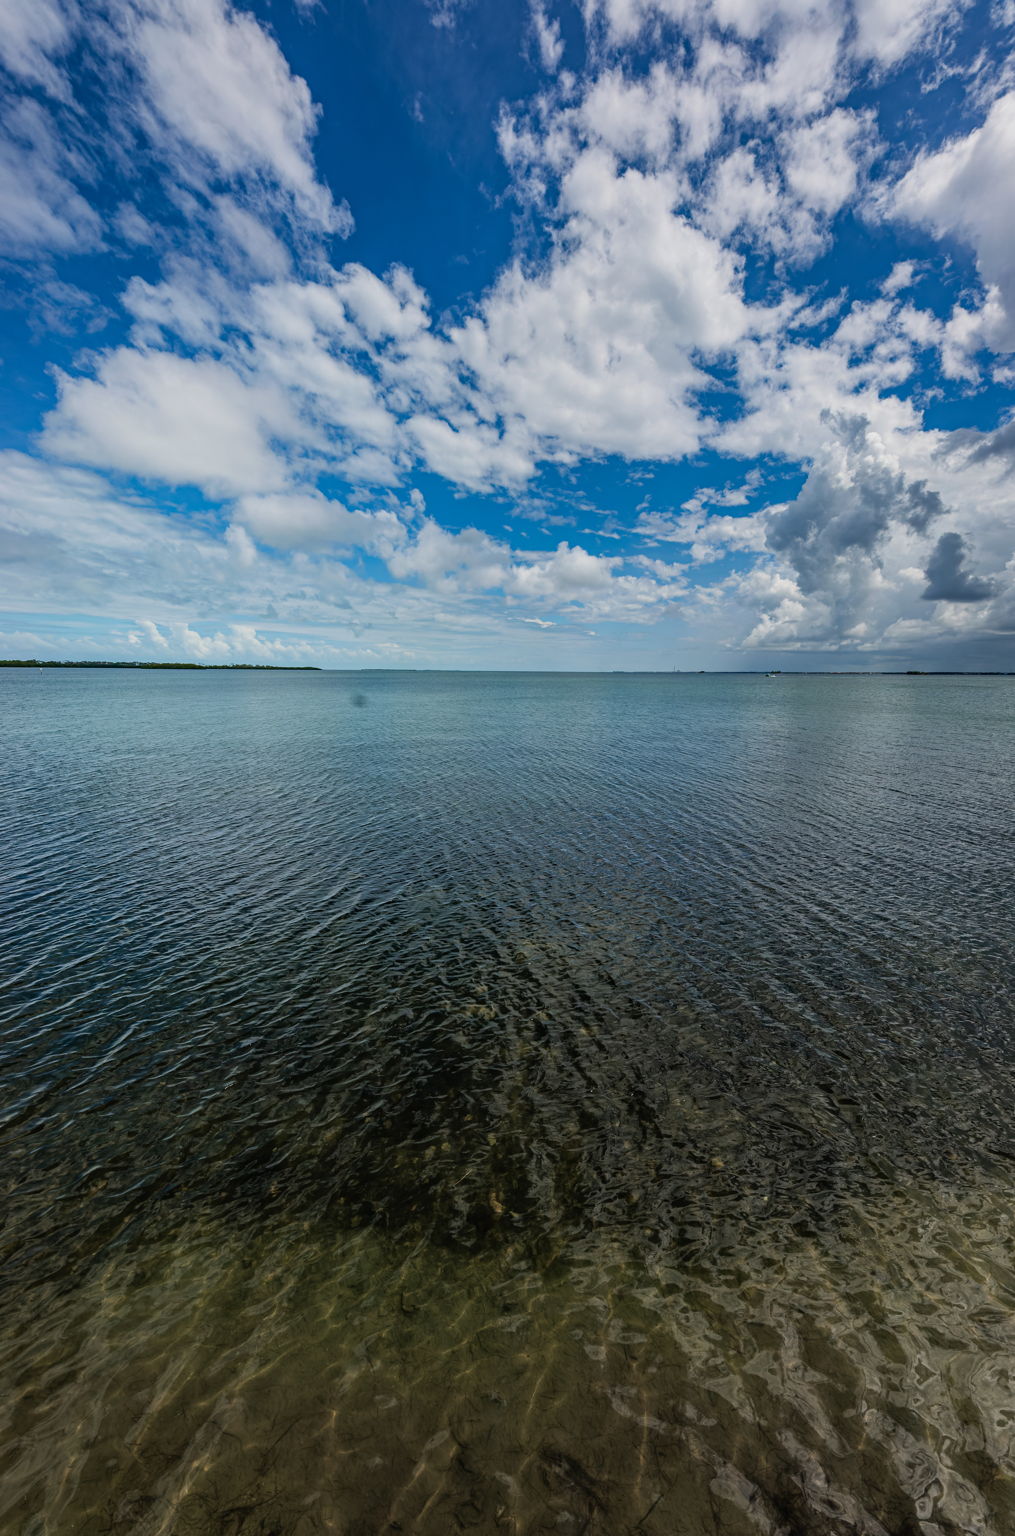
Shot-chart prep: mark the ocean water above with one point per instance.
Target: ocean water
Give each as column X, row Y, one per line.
column 506, row 1103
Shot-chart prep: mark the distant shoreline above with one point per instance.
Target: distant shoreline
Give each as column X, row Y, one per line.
column 166, row 666
column 245, row 666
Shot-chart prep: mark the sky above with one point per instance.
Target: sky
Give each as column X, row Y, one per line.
column 634, row 334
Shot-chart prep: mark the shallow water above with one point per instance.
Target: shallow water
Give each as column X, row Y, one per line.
column 506, row 1102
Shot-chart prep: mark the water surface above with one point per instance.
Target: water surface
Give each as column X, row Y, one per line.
column 524, row 1103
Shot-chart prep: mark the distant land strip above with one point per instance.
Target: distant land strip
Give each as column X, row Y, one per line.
column 261, row 666
column 167, row 666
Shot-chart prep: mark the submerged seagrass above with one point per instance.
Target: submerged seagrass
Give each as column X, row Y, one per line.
column 526, row 1103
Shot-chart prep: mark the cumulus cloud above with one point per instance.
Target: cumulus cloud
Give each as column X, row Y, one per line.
column 564, row 578
column 602, row 346
column 282, row 386
column 69, row 541
column 470, row 453
column 822, row 159
column 245, row 644
column 708, row 535
column 851, row 565
column 992, row 445
column 880, row 30
column 599, row 351
column 791, row 385
column 674, row 191
column 828, row 578
column 886, row 30
column 313, row 521
column 239, row 643
column 948, row 580
column 180, row 420
column 856, row 491
column 784, row 195
column 965, row 190
column 449, row 561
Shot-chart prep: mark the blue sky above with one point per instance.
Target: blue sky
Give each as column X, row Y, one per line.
column 444, row 333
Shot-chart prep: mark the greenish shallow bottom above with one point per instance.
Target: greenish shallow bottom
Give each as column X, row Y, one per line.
column 288, row 1381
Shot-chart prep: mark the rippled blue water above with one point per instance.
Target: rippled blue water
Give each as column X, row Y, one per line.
column 506, row 1102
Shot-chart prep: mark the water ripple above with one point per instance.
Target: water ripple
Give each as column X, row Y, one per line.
column 526, row 1103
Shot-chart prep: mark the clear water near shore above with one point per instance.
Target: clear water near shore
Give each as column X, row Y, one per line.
column 524, row 1103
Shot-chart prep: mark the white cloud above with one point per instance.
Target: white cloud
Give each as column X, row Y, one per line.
column 312, row 521
column 565, row 578
column 884, row 523
column 239, row 643
column 180, row 420
column 395, row 308
column 220, row 100
column 887, row 30
column 901, row 277
column 966, row 190
column 735, row 495
column 598, row 353
column 567, row 572
column 32, row 34
column 280, row 391
column 632, row 117
column 212, row 91
column 450, row 562
column 789, row 387
column 742, row 196
column 69, row 543
column 217, row 107
column 148, row 633
column 880, row 30
column 548, row 38
column 708, row 535
column 40, row 208
column 132, row 226
column 251, row 239
column 822, row 159
column 24, row 644
column 601, row 348
column 473, row 455
column 656, row 189
column 369, row 466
